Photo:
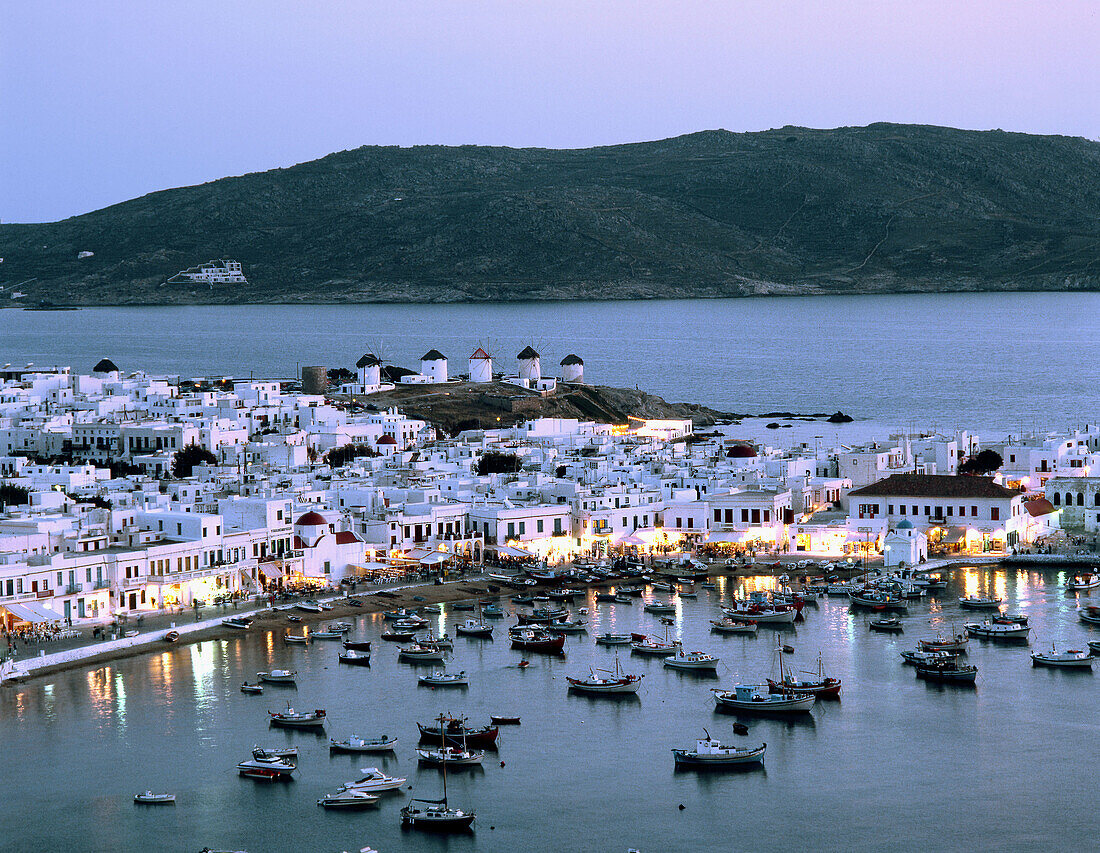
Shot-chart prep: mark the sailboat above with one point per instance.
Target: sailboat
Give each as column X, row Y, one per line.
column 823, row 687
column 437, row 815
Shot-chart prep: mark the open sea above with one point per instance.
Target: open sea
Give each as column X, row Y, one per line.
column 896, row 765
column 995, row 362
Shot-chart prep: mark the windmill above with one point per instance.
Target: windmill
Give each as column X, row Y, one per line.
column 481, row 362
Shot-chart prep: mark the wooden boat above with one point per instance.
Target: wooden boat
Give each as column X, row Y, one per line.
column 308, row 607
column 151, row 799
column 241, row 623
column 606, row 682
column 172, row 637
column 349, row 800
column 755, row 698
column 441, row 678
column 358, row 746
column 493, row 611
column 878, row 599
column 462, row 606
column 537, row 640
column 432, row 641
column 561, row 594
column 709, row 752
column 291, row 719
column 576, row 626
column 978, row 602
column 605, row 597
column 278, row 676
column 340, row 627
column 692, row 662
column 1094, row 647
column 657, row 608
column 821, row 685
column 357, row 646
column 732, row 626
column 661, row 586
column 887, row 625
column 503, row 721
column 456, row 731
column 995, row 631
column 762, row 615
column 475, row 628
column 947, row 669
column 451, row 755
column 326, row 635
column 542, row 616
column 1077, row 583
column 354, row 658
column 373, row 781
column 610, row 639
column 431, row 608
column 655, row 647
column 914, row 656
column 1089, row 614
column 293, row 618
column 623, row 599
column 296, row 639
column 955, row 643
column 398, row 636
column 410, row 623
column 252, row 688
column 1071, row 658
column 420, row 654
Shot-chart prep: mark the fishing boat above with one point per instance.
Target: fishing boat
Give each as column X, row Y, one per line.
column 954, row 643
column 357, row 646
column 420, row 654
column 349, row 800
column 606, row 682
column 410, row 623
column 661, row 586
column 354, row 658
column 373, row 781
column 291, row 719
column 756, row 698
column 284, row 753
column 915, row 656
column 1070, row 658
column 1094, row 647
column 252, row 688
column 886, row 625
column 241, row 623
column 492, row 611
column 1090, row 614
column 151, row 799
column 457, row 732
column 503, row 721
column 878, row 599
column 172, row 637
column 692, row 662
column 394, row 636
column 278, row 676
column 576, row 626
column 1079, row 582
column 274, row 770
column 525, row 600
column 989, row 630
column 947, row 669
column 432, row 641
column 475, row 628
column 732, row 626
column 542, row 616
column 462, row 606
column 658, row 608
column 341, row 627
column 296, row 639
column 655, row 646
column 441, row 678
column 710, row 752
column 820, row 685
column 537, row 640
column 978, row 602
column 623, row 599
column 452, row 755
column 762, row 615
column 610, row 639
column 561, row 594
column 358, row 746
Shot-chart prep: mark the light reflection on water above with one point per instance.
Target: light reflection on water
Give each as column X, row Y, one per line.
column 599, row 772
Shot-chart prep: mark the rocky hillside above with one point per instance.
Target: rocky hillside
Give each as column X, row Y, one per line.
column 793, row 211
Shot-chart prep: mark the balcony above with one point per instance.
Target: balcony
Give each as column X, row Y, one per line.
column 73, row 589
column 102, row 584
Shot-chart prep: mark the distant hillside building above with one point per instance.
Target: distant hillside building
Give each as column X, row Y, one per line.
column 211, row 273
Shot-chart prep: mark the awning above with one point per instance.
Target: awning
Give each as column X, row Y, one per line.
column 435, row 558
column 29, row 611
column 718, row 536
column 508, row 551
column 954, row 535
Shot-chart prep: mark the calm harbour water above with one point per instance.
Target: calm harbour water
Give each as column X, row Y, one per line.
column 994, row 362
column 896, row 765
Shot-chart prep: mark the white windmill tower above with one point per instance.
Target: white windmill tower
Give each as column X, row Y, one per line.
column 481, row 365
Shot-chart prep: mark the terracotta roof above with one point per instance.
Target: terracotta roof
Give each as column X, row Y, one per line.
column 386, row 439
column 528, row 352
column 310, row 519
column 479, row 353
column 1039, row 506
column 933, row 486
column 741, row 451
column 346, row 537
column 433, row 355
column 571, row 359
column 368, row 360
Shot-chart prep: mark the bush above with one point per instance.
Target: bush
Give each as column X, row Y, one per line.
column 14, row 495
column 497, row 463
column 185, row 460
column 984, row 463
column 339, row 456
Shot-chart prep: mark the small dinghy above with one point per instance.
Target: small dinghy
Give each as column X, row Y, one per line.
column 354, row 658
column 326, row 635
column 613, row 640
column 172, row 637
column 291, row 719
column 357, row 646
column 358, row 746
column 296, row 639
column 420, row 654
column 278, row 676
column 503, row 721
column 889, row 625
column 732, row 626
column 151, row 799
column 440, row 678
column 475, row 628
column 252, row 688
column 241, row 623
column 453, row 756
column 398, row 636
column 978, row 602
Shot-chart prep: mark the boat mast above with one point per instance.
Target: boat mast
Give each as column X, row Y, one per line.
column 443, row 738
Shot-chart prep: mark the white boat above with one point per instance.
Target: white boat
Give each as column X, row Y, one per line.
column 451, row 755
column 373, row 781
column 692, row 661
column 709, row 752
column 291, row 719
column 326, row 635
column 755, row 698
column 732, row 626
column 410, row 623
column 475, row 628
column 286, row 753
column 996, row 631
column 278, row 676
column 267, row 769
column 349, row 800
column 762, row 616
column 435, row 816
column 1088, row 580
column 978, row 602
column 426, row 654
column 357, row 745
column 1094, row 647
column 151, row 799
column 659, row 609
column 241, row 623
column 575, row 626
column 308, row 607
column 440, row 678
column 655, row 647
column 296, row 639
column 606, row 682
column 1072, row 658
column 613, row 640
column 354, row 658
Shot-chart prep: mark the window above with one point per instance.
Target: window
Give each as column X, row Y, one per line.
column 914, row 509
column 767, row 516
column 511, row 530
column 522, row 527
column 1080, row 499
column 973, row 512
column 679, row 523
column 718, row 515
column 890, row 509
column 729, row 516
column 994, row 513
column 756, row 516
column 538, row 526
column 557, row 527
column 745, row 515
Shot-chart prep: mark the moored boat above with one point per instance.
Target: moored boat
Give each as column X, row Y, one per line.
column 453, row 756
column 605, row 682
column 886, row 625
column 1070, row 658
column 762, row 615
column 252, row 688
column 359, row 746
column 456, row 731
column 475, row 628
column 441, row 678
column 1083, row 581
column 420, row 654
column 537, row 640
column 354, row 646
column 692, row 662
column 610, row 639
column 732, row 626
column 821, row 685
column 148, row 798
column 979, row 602
column 271, row 770
column 710, row 752
column 946, row 668
column 354, row 658
column 954, row 643
column 172, row 637
column 989, row 630
column 503, row 721
column 374, row 781
column 659, row 608
column 1090, row 614
column 755, row 698
column 349, row 800
column 278, row 676
column 296, row 639
column 241, row 623
column 291, row 719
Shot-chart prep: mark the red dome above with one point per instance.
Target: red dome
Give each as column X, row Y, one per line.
column 741, row 451
column 310, row 519
column 387, row 439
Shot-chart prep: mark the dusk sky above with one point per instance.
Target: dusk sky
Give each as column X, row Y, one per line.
column 104, row 101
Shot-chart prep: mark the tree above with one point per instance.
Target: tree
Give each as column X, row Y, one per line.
column 185, row 459
column 497, row 463
column 983, row 463
column 13, row 495
column 339, row 376
column 339, row 456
